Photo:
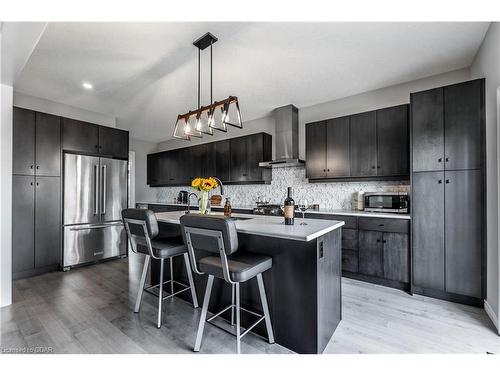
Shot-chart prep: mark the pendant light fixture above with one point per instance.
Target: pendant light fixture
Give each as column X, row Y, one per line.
column 215, row 116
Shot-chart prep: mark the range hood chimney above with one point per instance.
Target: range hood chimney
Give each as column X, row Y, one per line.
column 286, row 140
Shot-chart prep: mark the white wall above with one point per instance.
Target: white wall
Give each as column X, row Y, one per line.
column 141, row 148
column 6, row 195
column 385, row 97
column 59, row 109
column 487, row 64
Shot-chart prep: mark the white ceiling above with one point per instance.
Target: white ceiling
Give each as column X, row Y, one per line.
column 145, row 73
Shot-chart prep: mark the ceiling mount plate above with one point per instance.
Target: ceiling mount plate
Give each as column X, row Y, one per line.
column 205, row 41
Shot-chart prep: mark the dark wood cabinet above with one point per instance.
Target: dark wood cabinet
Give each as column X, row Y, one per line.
column 337, row 147
column 23, row 225
column 396, row 257
column 113, row 142
column 47, row 221
column 80, row 136
column 23, row 137
column 366, row 145
column 48, row 145
column 316, row 150
column 235, row 160
column 370, row 253
column 392, row 141
column 463, row 232
column 363, row 148
column 448, row 192
column 463, row 114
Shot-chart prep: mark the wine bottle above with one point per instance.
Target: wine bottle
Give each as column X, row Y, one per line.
column 289, row 208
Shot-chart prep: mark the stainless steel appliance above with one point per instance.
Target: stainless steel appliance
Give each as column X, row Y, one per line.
column 182, row 197
column 95, row 192
column 397, row 202
column 268, row 209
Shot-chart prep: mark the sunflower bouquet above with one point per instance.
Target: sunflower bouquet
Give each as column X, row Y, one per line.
column 204, row 185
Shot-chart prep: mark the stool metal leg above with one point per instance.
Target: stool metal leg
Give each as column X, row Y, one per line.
column 141, row 284
column 203, row 316
column 191, row 282
column 160, row 294
column 265, row 308
column 232, row 304
column 171, row 275
column 238, row 331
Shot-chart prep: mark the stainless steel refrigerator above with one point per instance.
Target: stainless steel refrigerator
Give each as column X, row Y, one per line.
column 95, row 192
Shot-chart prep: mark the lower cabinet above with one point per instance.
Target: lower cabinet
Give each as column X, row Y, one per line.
column 370, row 253
column 36, row 224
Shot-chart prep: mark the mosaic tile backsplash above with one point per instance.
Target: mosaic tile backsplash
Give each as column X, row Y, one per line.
column 331, row 195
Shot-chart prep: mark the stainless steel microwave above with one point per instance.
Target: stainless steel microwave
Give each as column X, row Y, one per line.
column 387, row 202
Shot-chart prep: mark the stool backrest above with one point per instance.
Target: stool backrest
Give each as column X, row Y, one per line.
column 135, row 215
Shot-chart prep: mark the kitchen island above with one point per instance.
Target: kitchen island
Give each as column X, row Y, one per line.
column 303, row 286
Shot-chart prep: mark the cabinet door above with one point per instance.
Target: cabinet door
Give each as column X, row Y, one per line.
column 23, row 137
column 463, row 232
column 363, row 144
column 23, row 225
column 463, row 113
column 337, row 148
column 153, row 169
column 48, row 145
column 222, row 160
column 47, row 221
column 370, row 253
column 80, row 136
column 197, row 161
column 208, row 166
column 396, row 257
column 427, row 130
column 316, row 150
column 392, row 141
column 255, row 155
column 428, row 229
column 238, row 159
column 113, row 142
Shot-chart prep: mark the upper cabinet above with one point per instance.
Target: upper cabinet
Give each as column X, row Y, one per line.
column 233, row 161
column 446, row 127
column 84, row 137
column 365, row 145
column 36, row 143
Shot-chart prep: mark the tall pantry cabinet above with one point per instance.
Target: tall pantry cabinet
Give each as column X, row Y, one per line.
column 448, row 191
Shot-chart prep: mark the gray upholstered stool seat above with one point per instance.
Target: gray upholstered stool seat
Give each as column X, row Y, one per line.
column 242, row 266
column 162, row 248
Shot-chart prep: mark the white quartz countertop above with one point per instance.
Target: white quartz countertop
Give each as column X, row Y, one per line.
column 269, row 226
column 322, row 211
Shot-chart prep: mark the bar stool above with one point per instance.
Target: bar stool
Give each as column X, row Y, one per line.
column 142, row 231
column 218, row 235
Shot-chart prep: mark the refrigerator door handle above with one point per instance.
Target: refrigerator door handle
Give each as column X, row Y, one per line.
column 96, row 189
column 103, row 190
column 87, row 227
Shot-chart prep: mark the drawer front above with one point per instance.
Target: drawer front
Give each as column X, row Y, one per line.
column 165, row 208
column 384, row 225
column 351, row 222
column 350, row 239
column 349, row 260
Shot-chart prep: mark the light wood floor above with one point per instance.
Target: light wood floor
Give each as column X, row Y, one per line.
column 89, row 310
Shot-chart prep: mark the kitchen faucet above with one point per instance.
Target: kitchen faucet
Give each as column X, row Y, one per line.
column 221, row 185
column 189, row 201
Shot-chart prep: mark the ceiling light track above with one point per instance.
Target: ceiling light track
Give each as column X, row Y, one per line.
column 217, row 115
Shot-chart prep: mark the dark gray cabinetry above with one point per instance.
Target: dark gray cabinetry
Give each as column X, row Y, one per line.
column 366, row 145
column 79, row 136
column 48, row 145
column 47, row 221
column 337, row 148
column 113, row 142
column 396, row 257
column 370, row 253
column 392, row 141
column 23, row 225
column 363, row 144
column 428, row 229
column 316, row 150
column 448, row 192
column 23, row 160
column 427, row 130
column 463, row 232
column 233, row 161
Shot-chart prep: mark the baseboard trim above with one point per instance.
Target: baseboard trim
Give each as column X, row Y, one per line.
column 491, row 314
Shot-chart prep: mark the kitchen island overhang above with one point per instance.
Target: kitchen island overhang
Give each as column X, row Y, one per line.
column 303, row 286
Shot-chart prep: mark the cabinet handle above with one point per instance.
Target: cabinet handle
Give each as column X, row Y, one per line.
column 37, row 167
column 378, row 240
column 37, row 184
column 447, row 181
column 328, row 170
column 373, row 167
column 378, row 166
column 31, row 166
column 440, row 181
column 324, row 170
column 384, row 241
column 446, row 160
column 31, row 183
column 440, row 160
column 381, row 225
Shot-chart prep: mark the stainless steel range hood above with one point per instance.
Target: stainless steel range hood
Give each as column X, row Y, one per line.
column 286, row 140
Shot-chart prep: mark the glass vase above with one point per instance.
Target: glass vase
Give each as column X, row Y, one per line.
column 204, row 203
